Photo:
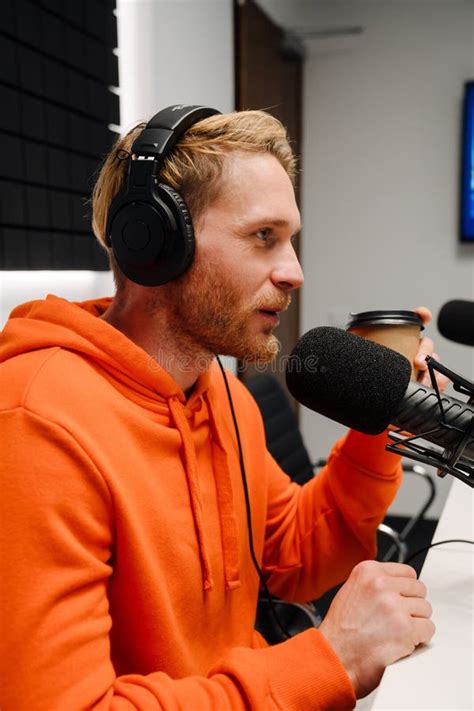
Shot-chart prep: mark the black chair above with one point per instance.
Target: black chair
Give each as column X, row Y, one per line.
column 284, row 440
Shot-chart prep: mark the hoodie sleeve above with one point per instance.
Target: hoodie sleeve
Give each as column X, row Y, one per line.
column 316, row 533
column 56, row 541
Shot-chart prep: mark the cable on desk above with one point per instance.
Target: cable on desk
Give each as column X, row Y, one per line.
column 438, row 543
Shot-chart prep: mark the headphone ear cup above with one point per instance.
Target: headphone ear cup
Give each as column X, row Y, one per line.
column 180, row 247
column 181, row 213
column 152, row 239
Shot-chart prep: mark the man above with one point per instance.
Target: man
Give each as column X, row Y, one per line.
column 127, row 576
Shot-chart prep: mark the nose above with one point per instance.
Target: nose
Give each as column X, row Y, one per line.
column 287, row 273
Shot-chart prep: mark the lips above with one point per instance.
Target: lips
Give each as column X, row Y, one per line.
column 273, row 311
column 269, row 315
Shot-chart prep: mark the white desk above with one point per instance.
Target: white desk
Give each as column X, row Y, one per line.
column 441, row 675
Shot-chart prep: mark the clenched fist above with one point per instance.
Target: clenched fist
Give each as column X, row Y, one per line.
column 378, row 616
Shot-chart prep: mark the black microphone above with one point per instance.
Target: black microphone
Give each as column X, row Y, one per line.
column 366, row 386
column 456, row 321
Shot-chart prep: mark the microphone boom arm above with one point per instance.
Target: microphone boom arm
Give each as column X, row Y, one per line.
column 447, row 461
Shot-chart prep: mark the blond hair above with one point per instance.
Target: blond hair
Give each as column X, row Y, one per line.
column 195, row 166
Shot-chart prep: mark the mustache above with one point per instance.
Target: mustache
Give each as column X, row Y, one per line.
column 278, row 302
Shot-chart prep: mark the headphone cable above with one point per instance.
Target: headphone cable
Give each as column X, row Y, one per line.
column 248, row 510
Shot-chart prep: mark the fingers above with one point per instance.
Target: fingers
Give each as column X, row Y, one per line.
column 424, row 313
column 407, row 587
column 441, row 379
column 410, row 587
column 393, row 578
column 417, row 607
column 424, row 378
column 423, row 630
column 425, row 348
column 397, row 569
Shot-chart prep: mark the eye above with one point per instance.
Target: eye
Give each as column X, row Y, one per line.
column 264, row 235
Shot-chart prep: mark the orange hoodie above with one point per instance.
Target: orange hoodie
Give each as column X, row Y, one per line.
column 126, row 576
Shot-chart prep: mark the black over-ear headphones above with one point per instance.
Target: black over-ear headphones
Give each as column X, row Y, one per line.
column 149, row 227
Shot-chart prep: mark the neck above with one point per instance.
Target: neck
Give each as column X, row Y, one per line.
column 153, row 330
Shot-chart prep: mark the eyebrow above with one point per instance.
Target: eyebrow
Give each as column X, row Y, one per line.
column 271, row 222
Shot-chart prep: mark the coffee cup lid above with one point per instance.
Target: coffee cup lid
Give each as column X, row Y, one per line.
column 384, row 318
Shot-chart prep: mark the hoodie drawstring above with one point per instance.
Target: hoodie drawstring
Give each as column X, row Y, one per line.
column 230, row 546
column 190, row 463
column 225, row 499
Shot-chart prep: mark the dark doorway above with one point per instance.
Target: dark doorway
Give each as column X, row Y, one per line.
column 269, row 76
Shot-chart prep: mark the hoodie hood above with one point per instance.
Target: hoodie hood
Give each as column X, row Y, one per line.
column 55, row 322
column 77, row 327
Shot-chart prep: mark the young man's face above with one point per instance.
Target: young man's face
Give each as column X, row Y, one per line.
column 245, row 266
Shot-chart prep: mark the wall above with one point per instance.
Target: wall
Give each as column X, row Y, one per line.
column 20, row 286
column 174, row 51
column 380, row 168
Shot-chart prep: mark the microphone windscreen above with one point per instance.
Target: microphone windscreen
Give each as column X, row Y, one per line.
column 456, row 321
column 347, row 378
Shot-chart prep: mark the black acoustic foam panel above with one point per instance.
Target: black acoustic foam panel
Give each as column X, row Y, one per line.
column 57, row 65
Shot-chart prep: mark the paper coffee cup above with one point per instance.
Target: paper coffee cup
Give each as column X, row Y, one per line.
column 398, row 330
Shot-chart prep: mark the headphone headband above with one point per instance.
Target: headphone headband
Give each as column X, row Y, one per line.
column 165, row 128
